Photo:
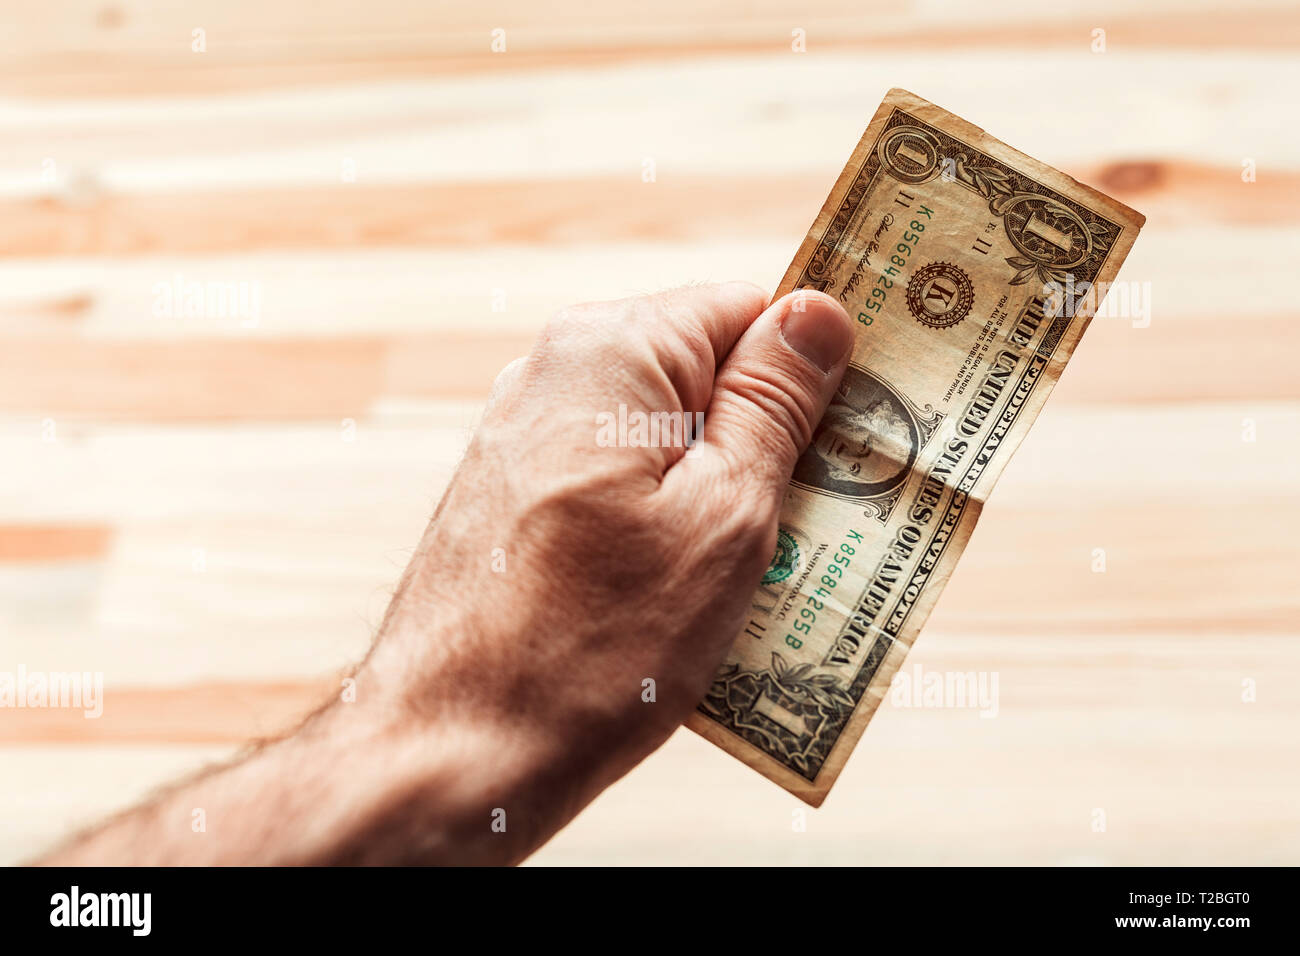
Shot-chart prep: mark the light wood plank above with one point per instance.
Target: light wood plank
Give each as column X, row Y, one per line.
column 757, row 115
column 468, row 214
column 138, row 45
column 40, row 544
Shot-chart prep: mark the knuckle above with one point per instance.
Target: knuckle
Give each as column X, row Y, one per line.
column 590, row 328
column 756, row 297
column 563, row 325
column 579, row 319
column 507, row 376
column 777, row 403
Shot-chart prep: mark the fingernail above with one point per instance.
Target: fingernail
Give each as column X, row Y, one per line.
column 819, row 331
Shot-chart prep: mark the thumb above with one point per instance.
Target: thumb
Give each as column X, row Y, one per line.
column 772, row 389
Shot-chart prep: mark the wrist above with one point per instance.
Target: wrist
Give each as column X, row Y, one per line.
column 437, row 783
column 506, row 758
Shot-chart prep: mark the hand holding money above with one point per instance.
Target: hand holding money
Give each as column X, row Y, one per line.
column 568, row 605
column 595, row 557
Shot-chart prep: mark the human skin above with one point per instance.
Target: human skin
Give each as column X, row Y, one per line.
column 505, row 688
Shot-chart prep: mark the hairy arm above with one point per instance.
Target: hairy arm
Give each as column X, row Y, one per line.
column 562, row 574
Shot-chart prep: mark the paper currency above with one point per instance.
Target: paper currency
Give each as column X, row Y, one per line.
column 972, row 271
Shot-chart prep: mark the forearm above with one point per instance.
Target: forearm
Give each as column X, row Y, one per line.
column 438, row 760
column 352, row 786
column 566, row 610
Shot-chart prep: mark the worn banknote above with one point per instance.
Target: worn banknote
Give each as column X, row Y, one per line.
column 971, row 271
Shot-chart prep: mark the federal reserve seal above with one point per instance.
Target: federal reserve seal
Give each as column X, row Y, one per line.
column 785, row 560
column 940, row 295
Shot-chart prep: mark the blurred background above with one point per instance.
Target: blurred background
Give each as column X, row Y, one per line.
column 261, row 262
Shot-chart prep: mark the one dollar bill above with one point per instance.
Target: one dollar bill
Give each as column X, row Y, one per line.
column 972, row 270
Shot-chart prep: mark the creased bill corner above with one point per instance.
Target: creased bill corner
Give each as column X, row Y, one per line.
column 931, row 111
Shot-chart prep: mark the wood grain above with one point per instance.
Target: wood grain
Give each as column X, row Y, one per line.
column 133, row 46
column 38, row 544
column 554, row 211
column 211, row 509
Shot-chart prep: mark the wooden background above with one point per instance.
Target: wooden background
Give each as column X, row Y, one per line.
column 212, row 511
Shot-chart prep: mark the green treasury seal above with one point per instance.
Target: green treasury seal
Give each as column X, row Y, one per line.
column 785, row 560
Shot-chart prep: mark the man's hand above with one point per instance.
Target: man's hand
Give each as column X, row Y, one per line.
column 559, row 573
